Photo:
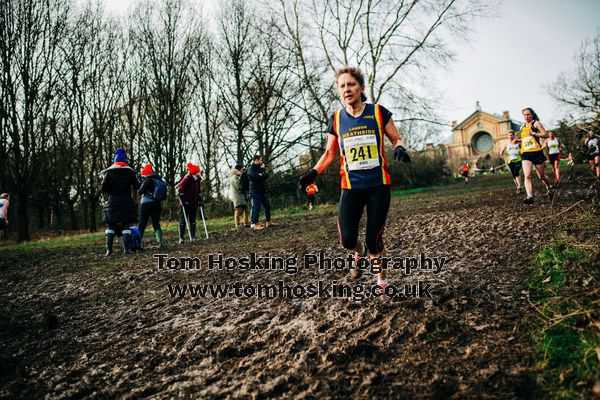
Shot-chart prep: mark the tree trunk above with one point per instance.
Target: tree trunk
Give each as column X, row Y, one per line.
column 93, row 208
column 40, row 208
column 73, row 216
column 22, row 212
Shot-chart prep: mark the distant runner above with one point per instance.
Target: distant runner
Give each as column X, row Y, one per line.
column 357, row 132
column 554, row 156
column 593, row 152
column 311, row 192
column 532, row 153
column 513, row 150
column 465, row 171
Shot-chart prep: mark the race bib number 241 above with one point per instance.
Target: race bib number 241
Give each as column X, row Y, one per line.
column 361, row 152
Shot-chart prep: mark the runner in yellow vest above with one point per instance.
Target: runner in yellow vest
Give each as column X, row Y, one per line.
column 513, row 151
column 532, row 153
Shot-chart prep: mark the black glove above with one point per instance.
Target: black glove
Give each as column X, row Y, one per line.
column 401, row 154
column 307, row 179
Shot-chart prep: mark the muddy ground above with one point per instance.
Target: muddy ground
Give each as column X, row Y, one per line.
column 76, row 325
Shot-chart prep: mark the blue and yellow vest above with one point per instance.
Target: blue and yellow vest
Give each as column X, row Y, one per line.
column 362, row 151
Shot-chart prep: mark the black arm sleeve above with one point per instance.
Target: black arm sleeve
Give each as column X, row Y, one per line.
column 135, row 181
column 255, row 174
column 105, row 183
column 385, row 114
column 145, row 186
column 330, row 129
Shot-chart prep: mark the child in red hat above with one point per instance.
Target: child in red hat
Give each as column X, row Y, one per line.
column 190, row 198
column 153, row 191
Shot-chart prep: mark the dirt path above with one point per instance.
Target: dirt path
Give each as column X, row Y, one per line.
column 76, row 326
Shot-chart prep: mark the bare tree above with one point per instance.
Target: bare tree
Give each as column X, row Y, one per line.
column 168, row 34
column 394, row 42
column 580, row 92
column 272, row 94
column 30, row 33
column 235, row 45
column 208, row 119
column 92, row 91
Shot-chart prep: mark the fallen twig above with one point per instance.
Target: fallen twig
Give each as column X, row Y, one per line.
column 537, row 309
column 562, row 212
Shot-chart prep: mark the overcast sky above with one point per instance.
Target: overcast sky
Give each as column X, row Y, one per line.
column 510, row 59
column 514, row 56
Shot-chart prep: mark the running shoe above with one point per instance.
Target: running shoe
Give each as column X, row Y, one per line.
column 382, row 283
column 257, row 227
column 357, row 272
column 528, row 200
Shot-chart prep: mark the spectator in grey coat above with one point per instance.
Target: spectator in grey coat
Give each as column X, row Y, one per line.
column 238, row 197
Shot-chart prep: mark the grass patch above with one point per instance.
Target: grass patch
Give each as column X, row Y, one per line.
column 170, row 228
column 410, row 191
column 566, row 337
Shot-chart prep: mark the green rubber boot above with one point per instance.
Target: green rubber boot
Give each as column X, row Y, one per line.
column 159, row 238
column 125, row 239
column 109, row 243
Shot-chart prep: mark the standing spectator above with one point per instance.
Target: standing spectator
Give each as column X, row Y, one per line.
column 4, row 202
column 120, row 210
column 238, row 197
column 311, row 192
column 153, row 191
column 258, row 191
column 190, row 198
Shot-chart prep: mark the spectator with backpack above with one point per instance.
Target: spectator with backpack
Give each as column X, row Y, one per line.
column 238, row 196
column 190, row 198
column 153, row 191
column 120, row 210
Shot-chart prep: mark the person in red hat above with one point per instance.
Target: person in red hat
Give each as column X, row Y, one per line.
column 153, row 191
column 190, row 198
